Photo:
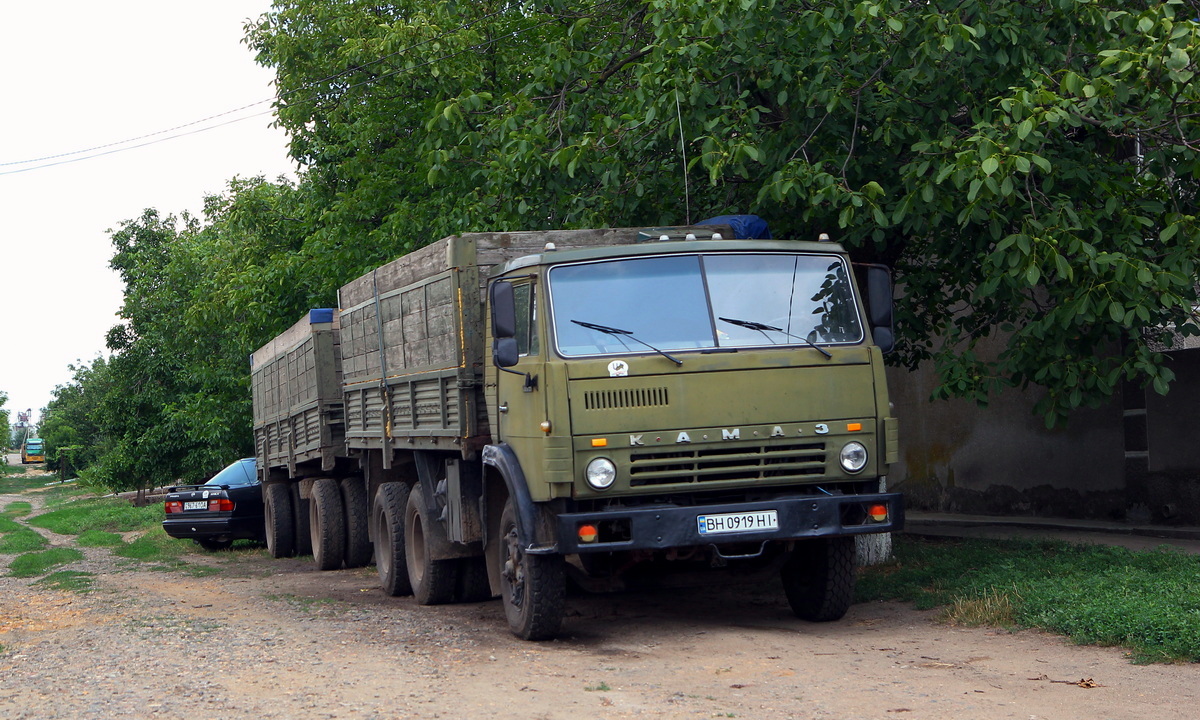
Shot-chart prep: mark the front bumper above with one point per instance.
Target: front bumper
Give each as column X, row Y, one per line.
column 660, row 527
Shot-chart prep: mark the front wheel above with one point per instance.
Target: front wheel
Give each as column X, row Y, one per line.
column 532, row 587
column 818, row 577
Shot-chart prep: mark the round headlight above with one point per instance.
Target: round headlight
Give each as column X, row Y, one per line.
column 600, row 473
column 854, row 457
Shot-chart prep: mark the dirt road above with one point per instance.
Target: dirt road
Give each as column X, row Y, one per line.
column 274, row 639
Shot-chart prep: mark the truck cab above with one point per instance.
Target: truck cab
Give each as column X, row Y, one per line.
column 720, row 400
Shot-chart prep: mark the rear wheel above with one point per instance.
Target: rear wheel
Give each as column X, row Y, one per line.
column 388, row 514
column 532, row 587
column 303, row 533
column 210, row 544
column 279, row 520
column 818, row 577
column 358, row 538
column 433, row 581
column 327, row 524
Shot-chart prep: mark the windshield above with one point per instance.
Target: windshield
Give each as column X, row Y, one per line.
column 241, row 472
column 703, row 301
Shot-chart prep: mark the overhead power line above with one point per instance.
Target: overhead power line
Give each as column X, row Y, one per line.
column 174, row 133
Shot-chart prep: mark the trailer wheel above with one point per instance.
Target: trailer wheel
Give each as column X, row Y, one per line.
column 327, row 524
column 358, row 539
column 818, row 577
column 303, row 531
column 279, row 520
column 532, row 587
column 433, row 581
column 391, row 499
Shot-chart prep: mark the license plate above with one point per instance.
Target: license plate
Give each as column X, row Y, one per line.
column 742, row 522
column 195, row 505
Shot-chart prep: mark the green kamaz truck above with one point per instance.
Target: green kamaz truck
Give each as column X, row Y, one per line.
column 496, row 412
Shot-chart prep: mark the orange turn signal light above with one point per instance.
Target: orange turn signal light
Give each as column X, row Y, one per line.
column 853, row 427
column 588, row 533
column 878, row 513
column 599, row 442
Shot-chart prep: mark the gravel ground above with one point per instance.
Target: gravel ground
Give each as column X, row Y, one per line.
column 267, row 638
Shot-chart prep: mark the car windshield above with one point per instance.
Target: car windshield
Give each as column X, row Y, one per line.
column 241, row 472
column 702, row 301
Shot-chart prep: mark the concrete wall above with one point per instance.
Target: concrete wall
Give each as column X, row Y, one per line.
column 1002, row 460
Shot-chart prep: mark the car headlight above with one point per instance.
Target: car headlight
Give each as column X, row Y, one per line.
column 853, row 457
column 600, row 473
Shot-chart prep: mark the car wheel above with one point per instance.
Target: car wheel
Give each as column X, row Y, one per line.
column 279, row 520
column 327, row 526
column 532, row 587
column 391, row 500
column 818, row 577
column 211, row 544
column 433, row 581
column 358, row 539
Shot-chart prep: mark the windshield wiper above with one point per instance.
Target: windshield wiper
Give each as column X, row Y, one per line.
column 763, row 328
column 627, row 333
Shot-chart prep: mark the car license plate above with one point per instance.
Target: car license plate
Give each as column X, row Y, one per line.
column 195, row 505
column 738, row 522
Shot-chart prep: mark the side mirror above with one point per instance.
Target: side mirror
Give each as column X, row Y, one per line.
column 879, row 306
column 504, row 311
column 505, row 353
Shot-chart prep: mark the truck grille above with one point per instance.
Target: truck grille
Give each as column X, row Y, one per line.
column 623, row 399
column 755, row 463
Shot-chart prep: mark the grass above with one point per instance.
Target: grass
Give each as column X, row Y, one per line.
column 21, row 540
column 18, row 509
column 1096, row 595
column 8, row 525
column 99, row 538
column 37, row 563
column 69, row 581
column 154, row 546
column 108, row 514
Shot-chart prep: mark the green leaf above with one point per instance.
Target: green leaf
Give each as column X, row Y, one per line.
column 990, row 165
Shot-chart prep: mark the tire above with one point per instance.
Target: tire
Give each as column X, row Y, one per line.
column 473, row 585
column 214, row 545
column 327, row 524
column 391, row 500
column 303, row 532
column 533, row 588
column 358, row 539
column 280, row 520
column 433, row 581
column 818, row 578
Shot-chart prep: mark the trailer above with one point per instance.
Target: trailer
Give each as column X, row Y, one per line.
column 496, row 411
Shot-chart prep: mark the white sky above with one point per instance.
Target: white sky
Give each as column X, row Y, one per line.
column 77, row 74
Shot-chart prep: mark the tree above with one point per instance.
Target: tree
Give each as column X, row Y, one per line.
column 5, row 432
column 1029, row 167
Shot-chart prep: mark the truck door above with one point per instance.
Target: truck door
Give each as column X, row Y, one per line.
column 521, row 405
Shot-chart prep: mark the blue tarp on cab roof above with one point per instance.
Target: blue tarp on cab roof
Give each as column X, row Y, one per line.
column 745, row 227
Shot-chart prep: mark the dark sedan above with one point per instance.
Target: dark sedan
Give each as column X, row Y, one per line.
column 229, row 507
